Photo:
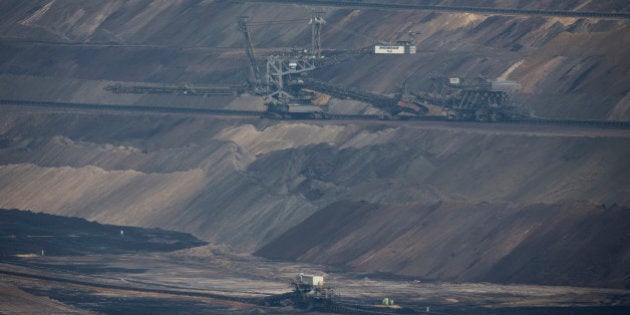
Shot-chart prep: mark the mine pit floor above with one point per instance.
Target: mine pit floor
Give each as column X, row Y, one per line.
column 211, row 280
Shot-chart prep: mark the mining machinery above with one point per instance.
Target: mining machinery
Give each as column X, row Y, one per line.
column 286, row 97
column 289, row 93
column 254, row 80
column 316, row 27
column 282, row 86
column 472, row 99
column 309, row 292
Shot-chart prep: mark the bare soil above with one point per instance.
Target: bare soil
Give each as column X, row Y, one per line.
column 399, row 202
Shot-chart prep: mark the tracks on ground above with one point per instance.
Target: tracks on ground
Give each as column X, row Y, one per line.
column 94, row 284
column 600, row 124
column 463, row 9
column 271, row 300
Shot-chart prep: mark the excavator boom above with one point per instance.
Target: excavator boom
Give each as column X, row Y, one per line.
column 251, row 55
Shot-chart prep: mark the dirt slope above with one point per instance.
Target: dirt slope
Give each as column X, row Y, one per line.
column 568, row 67
column 575, row 242
column 15, row 301
column 32, row 234
column 245, row 182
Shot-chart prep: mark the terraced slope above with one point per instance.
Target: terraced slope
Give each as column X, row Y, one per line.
column 572, row 243
column 568, row 67
column 252, row 184
column 245, row 182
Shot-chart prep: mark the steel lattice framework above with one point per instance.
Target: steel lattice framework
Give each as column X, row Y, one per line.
column 278, row 67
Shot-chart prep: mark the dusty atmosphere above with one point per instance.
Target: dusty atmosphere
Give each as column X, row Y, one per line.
column 148, row 172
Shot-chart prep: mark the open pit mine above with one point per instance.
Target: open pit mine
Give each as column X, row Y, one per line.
column 343, row 157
